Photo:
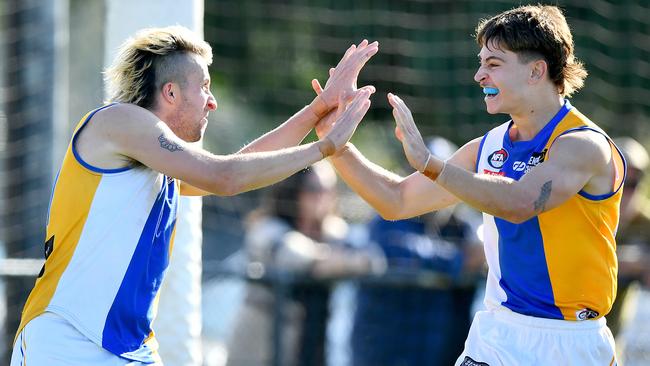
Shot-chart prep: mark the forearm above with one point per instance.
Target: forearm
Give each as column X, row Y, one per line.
column 495, row 195
column 248, row 171
column 376, row 185
column 290, row 133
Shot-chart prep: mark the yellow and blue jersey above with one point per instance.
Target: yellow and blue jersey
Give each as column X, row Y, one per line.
column 109, row 238
column 560, row 264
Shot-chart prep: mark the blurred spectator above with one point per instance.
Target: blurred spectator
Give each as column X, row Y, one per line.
column 297, row 234
column 410, row 324
column 633, row 236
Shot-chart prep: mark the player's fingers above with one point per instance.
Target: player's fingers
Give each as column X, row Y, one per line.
column 403, row 110
column 370, row 88
column 348, row 53
column 398, row 134
column 364, row 107
column 362, row 57
column 371, row 51
column 391, row 99
column 398, row 113
column 316, row 86
column 398, row 120
column 341, row 105
column 358, row 104
column 361, row 95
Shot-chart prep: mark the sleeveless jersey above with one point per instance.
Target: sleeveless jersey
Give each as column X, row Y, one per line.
column 109, row 238
column 560, row 264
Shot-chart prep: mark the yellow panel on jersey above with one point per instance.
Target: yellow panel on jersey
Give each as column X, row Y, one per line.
column 580, row 255
column 582, row 249
column 73, row 192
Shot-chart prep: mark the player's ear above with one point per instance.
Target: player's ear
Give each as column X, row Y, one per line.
column 538, row 70
column 169, row 92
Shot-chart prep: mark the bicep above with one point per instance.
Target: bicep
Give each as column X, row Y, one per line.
column 572, row 163
column 140, row 136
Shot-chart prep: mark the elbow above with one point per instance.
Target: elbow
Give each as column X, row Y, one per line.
column 225, row 183
column 389, row 215
column 393, row 213
column 226, row 191
column 518, row 213
column 393, row 207
column 226, row 187
column 516, row 217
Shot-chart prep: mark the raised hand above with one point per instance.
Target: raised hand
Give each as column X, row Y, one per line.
column 343, row 78
column 348, row 120
column 407, row 132
column 326, row 123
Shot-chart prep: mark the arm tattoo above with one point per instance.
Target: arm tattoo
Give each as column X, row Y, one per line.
column 544, row 195
column 168, row 145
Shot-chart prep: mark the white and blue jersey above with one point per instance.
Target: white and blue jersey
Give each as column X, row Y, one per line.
column 108, row 243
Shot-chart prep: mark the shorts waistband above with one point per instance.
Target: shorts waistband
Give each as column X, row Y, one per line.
column 512, row 317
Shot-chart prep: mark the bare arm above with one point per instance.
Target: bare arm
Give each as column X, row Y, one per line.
column 577, row 161
column 137, row 134
column 289, row 133
column 341, row 85
column 395, row 197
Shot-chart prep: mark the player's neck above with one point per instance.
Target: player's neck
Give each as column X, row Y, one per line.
column 534, row 115
column 159, row 112
column 166, row 115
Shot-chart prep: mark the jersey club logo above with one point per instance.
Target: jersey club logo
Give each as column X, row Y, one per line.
column 498, row 158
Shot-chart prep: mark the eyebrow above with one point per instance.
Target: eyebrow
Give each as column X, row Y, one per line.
column 489, row 58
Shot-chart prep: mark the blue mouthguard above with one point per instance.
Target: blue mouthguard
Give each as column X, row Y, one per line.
column 491, row 91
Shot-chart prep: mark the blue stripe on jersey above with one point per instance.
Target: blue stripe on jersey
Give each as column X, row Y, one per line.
column 524, row 270
column 133, row 304
column 22, row 348
column 521, row 247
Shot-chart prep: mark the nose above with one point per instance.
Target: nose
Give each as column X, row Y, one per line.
column 212, row 103
column 479, row 76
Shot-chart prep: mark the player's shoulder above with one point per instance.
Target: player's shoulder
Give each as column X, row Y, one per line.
column 586, row 146
column 122, row 118
column 123, row 113
column 583, row 141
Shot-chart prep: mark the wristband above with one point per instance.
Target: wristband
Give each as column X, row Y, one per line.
column 426, row 163
column 326, row 147
column 430, row 170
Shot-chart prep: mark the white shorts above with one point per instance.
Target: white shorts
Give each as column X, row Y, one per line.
column 50, row 340
column 505, row 338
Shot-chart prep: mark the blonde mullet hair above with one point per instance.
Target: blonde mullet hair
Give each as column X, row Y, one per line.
column 153, row 57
